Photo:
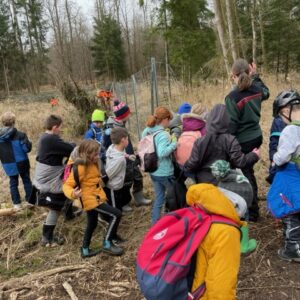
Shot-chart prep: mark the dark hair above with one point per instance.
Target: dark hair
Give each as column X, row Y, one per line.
column 53, row 120
column 160, row 114
column 240, row 68
column 117, row 134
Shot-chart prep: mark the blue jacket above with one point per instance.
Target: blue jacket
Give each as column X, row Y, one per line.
column 14, row 146
column 94, row 133
column 164, row 149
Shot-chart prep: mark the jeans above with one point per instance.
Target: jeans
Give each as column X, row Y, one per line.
column 160, row 183
column 249, row 173
column 14, row 191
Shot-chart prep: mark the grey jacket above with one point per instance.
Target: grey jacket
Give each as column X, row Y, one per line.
column 115, row 168
column 289, row 145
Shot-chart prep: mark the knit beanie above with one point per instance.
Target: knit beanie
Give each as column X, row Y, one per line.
column 198, row 109
column 232, row 180
column 121, row 110
column 184, row 108
column 98, row 115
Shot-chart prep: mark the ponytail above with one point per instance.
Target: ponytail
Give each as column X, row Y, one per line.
column 151, row 122
column 241, row 69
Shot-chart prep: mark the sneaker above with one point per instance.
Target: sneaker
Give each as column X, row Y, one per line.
column 111, row 248
column 87, row 252
column 126, row 209
column 28, row 205
column 288, row 256
column 17, row 207
column 118, row 240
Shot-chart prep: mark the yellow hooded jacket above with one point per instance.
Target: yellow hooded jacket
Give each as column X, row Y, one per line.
column 218, row 256
column 90, row 184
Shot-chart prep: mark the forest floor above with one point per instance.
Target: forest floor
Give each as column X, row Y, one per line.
column 30, row 271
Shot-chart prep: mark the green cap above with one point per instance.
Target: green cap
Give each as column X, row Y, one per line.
column 98, row 115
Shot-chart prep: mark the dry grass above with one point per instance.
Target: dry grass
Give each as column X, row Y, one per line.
column 104, row 277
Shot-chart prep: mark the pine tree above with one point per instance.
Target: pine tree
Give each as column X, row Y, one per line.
column 107, row 48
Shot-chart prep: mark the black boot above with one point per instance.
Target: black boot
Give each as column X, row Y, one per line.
column 48, row 239
column 291, row 251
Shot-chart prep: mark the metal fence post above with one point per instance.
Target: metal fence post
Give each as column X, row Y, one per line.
column 154, row 90
column 135, row 106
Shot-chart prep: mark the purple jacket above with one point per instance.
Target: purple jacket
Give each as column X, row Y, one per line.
column 193, row 122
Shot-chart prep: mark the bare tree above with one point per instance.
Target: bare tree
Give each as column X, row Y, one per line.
column 230, row 29
column 254, row 39
column 262, row 34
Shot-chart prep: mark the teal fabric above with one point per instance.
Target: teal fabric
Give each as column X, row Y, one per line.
column 275, row 133
column 164, row 149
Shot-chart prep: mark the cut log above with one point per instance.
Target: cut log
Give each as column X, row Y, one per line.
column 69, row 290
column 7, row 211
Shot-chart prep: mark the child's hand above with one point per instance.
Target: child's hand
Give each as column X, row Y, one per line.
column 174, row 138
column 132, row 157
column 252, row 68
column 256, row 151
column 76, row 193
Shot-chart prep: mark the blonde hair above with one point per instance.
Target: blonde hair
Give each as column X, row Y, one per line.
column 198, row 109
column 85, row 150
column 160, row 114
column 240, row 68
column 8, row 119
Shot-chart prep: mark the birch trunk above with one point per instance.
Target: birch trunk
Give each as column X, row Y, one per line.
column 230, row 30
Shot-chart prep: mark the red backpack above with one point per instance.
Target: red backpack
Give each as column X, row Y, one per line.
column 164, row 256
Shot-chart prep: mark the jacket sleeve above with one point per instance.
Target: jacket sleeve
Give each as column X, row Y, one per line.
column 234, row 115
column 63, row 147
column 89, row 135
column 195, row 159
column 259, row 83
column 287, row 146
column 164, row 147
column 238, row 159
column 222, row 241
column 69, row 185
column 275, row 133
column 26, row 144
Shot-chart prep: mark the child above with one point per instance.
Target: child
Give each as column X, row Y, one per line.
column 163, row 177
column 116, row 191
column 281, row 114
column 217, row 144
column 218, row 256
column 193, row 128
column 14, row 146
column 243, row 105
column 95, row 131
column 175, row 125
column 122, row 114
column 48, row 176
column 285, row 187
column 93, row 199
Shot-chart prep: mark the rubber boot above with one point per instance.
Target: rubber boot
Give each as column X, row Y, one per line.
column 87, row 252
column 111, row 248
column 140, row 200
column 48, row 239
column 247, row 246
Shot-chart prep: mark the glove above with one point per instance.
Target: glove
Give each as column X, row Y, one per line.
column 132, row 157
column 189, row 181
column 174, row 138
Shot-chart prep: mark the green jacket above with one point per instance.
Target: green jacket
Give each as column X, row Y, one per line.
column 244, row 109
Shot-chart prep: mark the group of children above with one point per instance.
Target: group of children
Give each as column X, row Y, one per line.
column 206, row 147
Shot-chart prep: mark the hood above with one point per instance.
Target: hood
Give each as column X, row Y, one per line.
column 176, row 121
column 113, row 122
column 192, row 122
column 218, row 120
column 93, row 126
column 7, row 133
column 213, row 200
column 113, row 153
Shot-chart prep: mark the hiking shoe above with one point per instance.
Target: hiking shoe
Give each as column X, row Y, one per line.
column 288, row 256
column 118, row 240
column 111, row 248
column 126, row 209
column 17, row 207
column 87, row 252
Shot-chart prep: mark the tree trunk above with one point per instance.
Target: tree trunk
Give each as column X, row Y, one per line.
column 241, row 36
column 230, row 29
column 252, row 12
column 262, row 35
column 70, row 54
column 221, row 34
column 5, row 77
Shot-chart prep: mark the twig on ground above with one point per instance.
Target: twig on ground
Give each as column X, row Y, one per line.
column 69, row 290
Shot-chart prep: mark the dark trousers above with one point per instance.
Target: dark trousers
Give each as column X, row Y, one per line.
column 14, row 190
column 291, row 233
column 249, row 173
column 137, row 178
column 118, row 198
column 111, row 214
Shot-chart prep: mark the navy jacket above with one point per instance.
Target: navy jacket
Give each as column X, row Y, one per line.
column 14, row 146
column 276, row 129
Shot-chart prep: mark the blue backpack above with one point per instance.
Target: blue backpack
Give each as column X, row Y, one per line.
column 283, row 197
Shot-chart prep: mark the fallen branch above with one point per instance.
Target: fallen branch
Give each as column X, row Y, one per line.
column 12, row 283
column 7, row 211
column 69, row 290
